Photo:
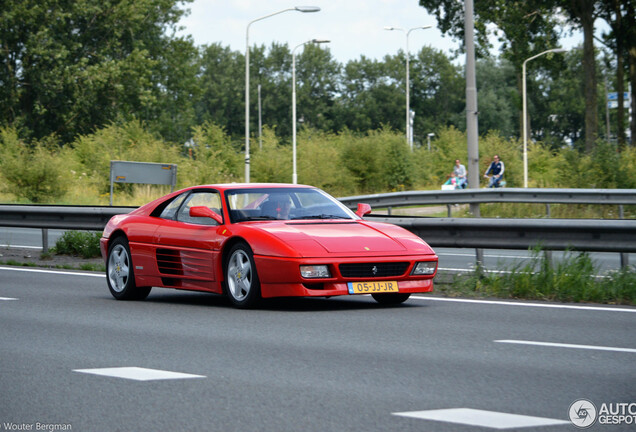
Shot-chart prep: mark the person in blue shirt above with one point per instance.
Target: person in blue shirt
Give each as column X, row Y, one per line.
column 496, row 168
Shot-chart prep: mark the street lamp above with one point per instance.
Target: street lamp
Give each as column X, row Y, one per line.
column 525, row 118
column 316, row 41
column 304, row 9
column 409, row 140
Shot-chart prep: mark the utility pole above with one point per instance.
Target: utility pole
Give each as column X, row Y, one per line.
column 471, row 104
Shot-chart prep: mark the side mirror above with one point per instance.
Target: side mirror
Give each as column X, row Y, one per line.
column 203, row 211
column 363, row 209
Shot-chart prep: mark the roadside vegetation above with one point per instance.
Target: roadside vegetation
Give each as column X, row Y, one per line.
column 44, row 172
column 576, row 278
column 84, row 244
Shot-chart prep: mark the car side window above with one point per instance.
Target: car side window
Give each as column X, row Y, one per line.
column 208, row 199
column 170, row 212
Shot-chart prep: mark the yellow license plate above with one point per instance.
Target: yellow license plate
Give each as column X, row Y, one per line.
column 372, row 287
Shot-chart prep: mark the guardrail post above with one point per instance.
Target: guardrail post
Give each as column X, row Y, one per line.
column 624, row 260
column 45, row 240
column 474, row 209
column 548, row 257
column 624, row 256
column 547, row 210
column 388, row 210
column 479, row 257
column 449, row 210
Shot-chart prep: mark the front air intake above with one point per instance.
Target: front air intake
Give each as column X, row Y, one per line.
column 373, row 270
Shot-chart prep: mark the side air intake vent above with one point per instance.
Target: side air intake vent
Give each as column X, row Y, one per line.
column 169, row 262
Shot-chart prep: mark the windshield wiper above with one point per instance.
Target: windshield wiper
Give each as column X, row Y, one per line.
column 256, row 218
column 322, row 216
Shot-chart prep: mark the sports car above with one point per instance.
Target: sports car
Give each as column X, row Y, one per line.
column 253, row 241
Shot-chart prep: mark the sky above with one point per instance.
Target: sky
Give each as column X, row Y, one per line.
column 354, row 27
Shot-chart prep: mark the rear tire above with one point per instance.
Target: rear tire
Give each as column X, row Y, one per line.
column 242, row 285
column 391, row 299
column 120, row 274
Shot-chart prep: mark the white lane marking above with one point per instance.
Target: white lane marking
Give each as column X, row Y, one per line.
column 60, row 272
column 8, row 246
column 468, row 255
column 471, row 270
column 482, row 418
column 562, row 345
column 138, row 374
column 7, row 298
column 521, row 304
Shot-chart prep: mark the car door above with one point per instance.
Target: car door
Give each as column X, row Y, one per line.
column 187, row 247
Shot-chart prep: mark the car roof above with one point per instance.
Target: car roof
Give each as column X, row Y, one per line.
column 232, row 186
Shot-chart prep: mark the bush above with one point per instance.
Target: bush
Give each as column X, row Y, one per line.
column 78, row 243
column 213, row 160
column 126, row 142
column 36, row 172
column 321, row 149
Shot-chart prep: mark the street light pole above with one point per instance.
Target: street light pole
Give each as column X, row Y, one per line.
column 304, row 9
column 409, row 140
column 524, row 111
column 316, row 41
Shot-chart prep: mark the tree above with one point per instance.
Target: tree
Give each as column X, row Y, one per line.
column 317, row 88
column 498, row 96
column 69, row 66
column 630, row 17
column 272, row 69
column 622, row 40
column 583, row 13
column 564, row 105
column 373, row 94
column 222, row 83
column 437, row 92
column 524, row 28
column 178, row 89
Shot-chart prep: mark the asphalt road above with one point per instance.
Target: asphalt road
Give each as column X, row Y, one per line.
column 341, row 364
column 450, row 258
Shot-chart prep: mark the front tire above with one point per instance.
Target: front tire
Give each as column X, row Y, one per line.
column 243, row 287
column 391, row 299
column 120, row 274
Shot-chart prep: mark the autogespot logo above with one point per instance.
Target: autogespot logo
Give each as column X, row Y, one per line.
column 582, row 413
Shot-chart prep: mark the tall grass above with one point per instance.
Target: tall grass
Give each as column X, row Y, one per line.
column 557, row 211
column 572, row 279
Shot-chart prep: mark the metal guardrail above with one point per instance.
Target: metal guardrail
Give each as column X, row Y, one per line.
column 59, row 217
column 501, row 195
column 478, row 233
column 550, row 234
column 487, row 233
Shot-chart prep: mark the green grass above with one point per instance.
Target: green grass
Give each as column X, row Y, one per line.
column 93, row 267
column 18, row 263
column 574, row 279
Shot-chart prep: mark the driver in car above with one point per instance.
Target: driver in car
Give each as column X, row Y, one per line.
column 277, row 206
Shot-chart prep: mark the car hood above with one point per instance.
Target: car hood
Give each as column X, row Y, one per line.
column 346, row 237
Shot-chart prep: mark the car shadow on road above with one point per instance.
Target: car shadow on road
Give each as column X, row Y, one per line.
column 283, row 304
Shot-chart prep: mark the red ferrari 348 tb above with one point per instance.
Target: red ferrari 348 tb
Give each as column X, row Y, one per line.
column 253, row 241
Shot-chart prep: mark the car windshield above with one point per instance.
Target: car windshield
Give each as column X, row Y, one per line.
column 252, row 204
